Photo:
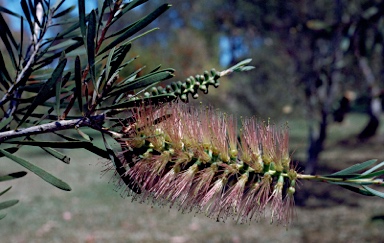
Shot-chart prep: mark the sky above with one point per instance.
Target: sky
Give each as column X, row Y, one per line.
column 16, row 7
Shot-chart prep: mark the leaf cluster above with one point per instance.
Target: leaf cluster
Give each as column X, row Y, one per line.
column 69, row 80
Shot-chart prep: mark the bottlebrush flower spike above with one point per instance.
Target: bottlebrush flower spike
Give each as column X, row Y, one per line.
column 191, row 157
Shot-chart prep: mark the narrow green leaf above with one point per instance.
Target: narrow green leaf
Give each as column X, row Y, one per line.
column 27, row 14
column 149, row 100
column 5, row 191
column 82, row 134
column 90, row 147
column 371, row 175
column 82, row 20
column 374, row 192
column 241, row 65
column 91, row 36
column 62, row 45
column 109, row 60
column 354, row 168
column 374, row 168
column 64, row 12
column 4, row 34
column 3, row 69
column 128, row 7
column 141, row 35
column 52, row 144
column 118, row 58
column 45, row 91
column 57, row 5
column 2, row 216
column 38, row 171
column 5, row 10
column 58, row 155
column 5, row 122
column 144, row 81
column 119, row 32
column 58, row 92
column 120, row 169
column 12, row 176
column 10, row 150
column 7, row 204
column 101, row 8
column 78, row 83
column 357, row 190
column 155, row 69
column 137, row 27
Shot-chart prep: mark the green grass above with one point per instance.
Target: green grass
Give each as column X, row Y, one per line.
column 94, row 212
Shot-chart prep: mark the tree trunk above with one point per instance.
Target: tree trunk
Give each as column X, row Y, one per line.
column 374, row 110
column 316, row 143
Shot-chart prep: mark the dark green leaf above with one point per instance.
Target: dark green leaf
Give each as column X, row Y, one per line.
column 78, row 83
column 58, row 155
column 118, row 58
column 354, row 168
column 82, row 134
column 374, row 168
column 27, row 14
column 344, row 176
column 155, row 69
column 46, row 91
column 137, row 27
column 52, row 144
column 5, row 33
column 5, row 191
column 5, row 10
column 7, row 204
column 150, row 100
column 241, row 65
column 10, row 150
column 120, row 169
column 49, row 59
column 5, row 122
column 91, row 36
column 128, row 7
column 64, row 12
column 144, row 81
column 357, row 190
column 374, row 192
column 58, row 92
column 12, row 176
column 62, row 45
column 105, row 5
column 2, row 216
column 38, row 171
column 82, row 20
column 4, row 71
column 57, row 5
column 90, row 147
column 371, row 175
column 119, row 32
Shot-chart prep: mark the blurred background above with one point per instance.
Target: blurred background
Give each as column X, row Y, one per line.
column 319, row 67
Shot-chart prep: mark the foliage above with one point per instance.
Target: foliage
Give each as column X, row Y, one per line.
column 72, row 80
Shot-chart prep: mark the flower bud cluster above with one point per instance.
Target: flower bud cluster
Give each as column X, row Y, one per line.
column 195, row 159
column 191, row 86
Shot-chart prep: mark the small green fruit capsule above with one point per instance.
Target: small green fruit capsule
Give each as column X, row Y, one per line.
column 154, row 91
column 206, row 75
column 213, row 72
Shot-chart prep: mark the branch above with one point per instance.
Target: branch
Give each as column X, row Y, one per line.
column 92, row 122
